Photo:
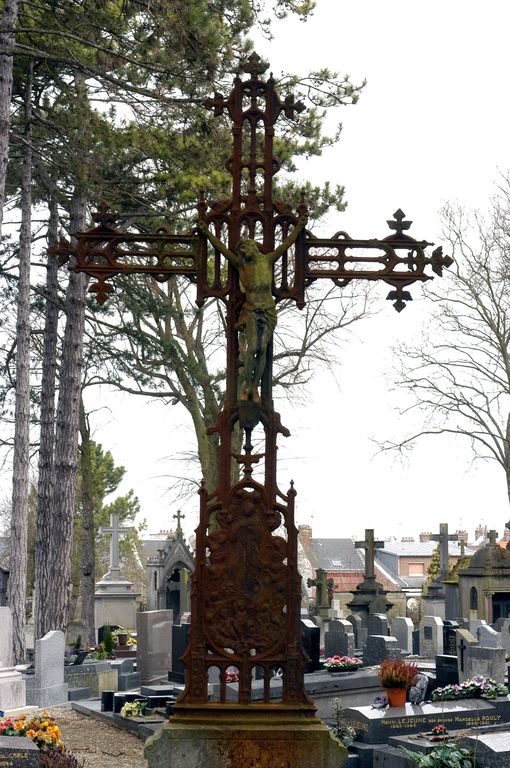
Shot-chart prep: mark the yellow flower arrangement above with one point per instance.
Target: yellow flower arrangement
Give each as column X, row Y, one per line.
column 41, row 728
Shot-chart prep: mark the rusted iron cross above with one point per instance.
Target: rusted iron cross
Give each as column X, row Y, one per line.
column 246, row 592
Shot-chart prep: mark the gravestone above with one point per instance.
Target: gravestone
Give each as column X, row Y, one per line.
column 489, row 662
column 503, row 627
column 360, row 632
column 154, row 641
column 449, row 637
column 179, row 644
column 378, row 648
column 465, row 640
column 488, row 637
column 447, row 670
column 431, row 636
column 12, row 685
column 402, row 630
column 474, row 624
column 311, row 644
column 19, row 752
column 46, row 687
column 378, row 624
column 339, row 639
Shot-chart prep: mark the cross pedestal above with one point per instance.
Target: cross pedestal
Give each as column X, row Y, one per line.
column 370, row 597
column 114, row 599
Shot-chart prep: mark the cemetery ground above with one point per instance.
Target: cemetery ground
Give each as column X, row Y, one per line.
column 96, row 743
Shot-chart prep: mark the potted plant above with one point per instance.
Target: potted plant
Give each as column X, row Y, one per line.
column 396, row 676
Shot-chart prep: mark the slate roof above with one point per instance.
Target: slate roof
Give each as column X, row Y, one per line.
column 336, row 555
column 419, row 548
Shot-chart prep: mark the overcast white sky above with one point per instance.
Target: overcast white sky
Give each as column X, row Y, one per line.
column 431, row 126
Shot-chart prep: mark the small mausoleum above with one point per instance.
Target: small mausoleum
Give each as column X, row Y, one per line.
column 170, row 564
column 484, row 583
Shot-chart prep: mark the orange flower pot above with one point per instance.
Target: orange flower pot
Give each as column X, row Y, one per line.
column 396, row 696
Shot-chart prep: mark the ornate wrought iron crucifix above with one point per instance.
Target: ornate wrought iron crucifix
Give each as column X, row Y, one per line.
column 246, row 587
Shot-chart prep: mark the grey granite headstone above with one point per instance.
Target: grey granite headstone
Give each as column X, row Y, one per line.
column 488, row 637
column 474, row 624
column 431, row 636
column 46, row 687
column 402, row 630
column 154, row 642
column 339, row 639
column 465, row 640
column 378, row 648
column 489, row 662
column 449, row 638
column 360, row 634
column 378, row 624
column 503, row 627
column 19, row 752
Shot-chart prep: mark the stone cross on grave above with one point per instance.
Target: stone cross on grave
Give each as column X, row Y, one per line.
column 179, row 516
column 443, row 538
column 369, row 545
column 462, row 649
column 492, row 536
column 115, row 531
column 324, row 591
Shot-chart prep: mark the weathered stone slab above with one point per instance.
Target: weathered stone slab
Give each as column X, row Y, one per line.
column 431, row 636
column 98, row 676
column 488, row 637
column 378, row 648
column 375, row 726
column 19, row 752
column 492, row 749
column 46, row 686
column 489, row 662
column 154, row 636
column 402, row 630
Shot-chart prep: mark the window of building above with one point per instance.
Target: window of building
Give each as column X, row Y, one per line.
column 416, row 569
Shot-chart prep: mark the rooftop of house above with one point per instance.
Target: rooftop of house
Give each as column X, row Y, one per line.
column 420, row 548
column 336, row 555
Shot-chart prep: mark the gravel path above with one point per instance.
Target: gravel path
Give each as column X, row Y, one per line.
column 97, row 743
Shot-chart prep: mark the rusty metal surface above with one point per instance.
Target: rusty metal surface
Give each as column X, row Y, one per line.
column 246, row 589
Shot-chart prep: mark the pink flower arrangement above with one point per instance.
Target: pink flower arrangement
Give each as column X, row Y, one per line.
column 342, row 662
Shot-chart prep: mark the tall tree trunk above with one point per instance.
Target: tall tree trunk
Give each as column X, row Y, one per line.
column 20, row 485
column 66, row 435
column 88, row 549
column 7, row 39
column 44, row 527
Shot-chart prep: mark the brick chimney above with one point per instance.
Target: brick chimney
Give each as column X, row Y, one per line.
column 462, row 536
column 425, row 536
column 407, row 538
column 480, row 531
